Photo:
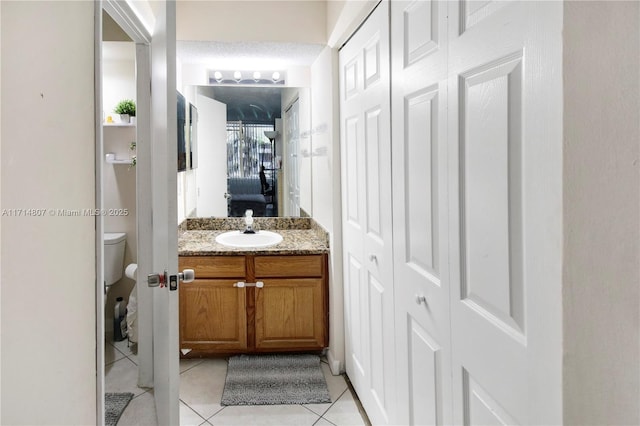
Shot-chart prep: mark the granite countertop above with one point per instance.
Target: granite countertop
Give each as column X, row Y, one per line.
column 299, row 236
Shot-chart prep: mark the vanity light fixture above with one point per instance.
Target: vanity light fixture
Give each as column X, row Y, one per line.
column 264, row 77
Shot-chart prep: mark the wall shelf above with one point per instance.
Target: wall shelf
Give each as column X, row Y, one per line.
column 110, row 158
column 105, row 124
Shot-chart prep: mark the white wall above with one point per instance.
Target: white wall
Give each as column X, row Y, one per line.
column 325, row 183
column 276, row 21
column 119, row 70
column 48, row 305
column 344, row 18
column 187, row 194
column 192, row 75
column 601, row 213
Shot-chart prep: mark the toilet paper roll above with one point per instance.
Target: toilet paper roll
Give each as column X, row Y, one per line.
column 131, row 271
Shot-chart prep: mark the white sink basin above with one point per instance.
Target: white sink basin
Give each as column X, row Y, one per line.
column 259, row 239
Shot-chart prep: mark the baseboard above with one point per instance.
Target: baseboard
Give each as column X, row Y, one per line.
column 334, row 364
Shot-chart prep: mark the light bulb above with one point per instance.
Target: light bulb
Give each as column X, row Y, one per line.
column 218, row 76
column 276, row 76
column 256, row 75
column 237, row 75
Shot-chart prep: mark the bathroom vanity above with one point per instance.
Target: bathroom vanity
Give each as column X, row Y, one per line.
column 249, row 300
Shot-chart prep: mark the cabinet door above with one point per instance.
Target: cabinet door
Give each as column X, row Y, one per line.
column 213, row 315
column 290, row 314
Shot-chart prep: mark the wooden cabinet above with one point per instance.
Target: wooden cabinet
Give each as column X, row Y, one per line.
column 213, row 313
column 288, row 313
column 291, row 308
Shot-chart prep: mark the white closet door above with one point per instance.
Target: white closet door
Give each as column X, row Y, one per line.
column 505, row 174
column 419, row 68
column 366, row 206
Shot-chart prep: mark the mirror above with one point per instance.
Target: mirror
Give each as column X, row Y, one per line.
column 238, row 165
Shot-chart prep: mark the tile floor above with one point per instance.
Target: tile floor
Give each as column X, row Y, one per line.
column 201, row 384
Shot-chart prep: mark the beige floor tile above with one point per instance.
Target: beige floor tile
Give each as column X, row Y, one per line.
column 140, row 411
column 344, row 412
column 264, row 415
column 134, row 359
column 111, row 353
column 336, row 385
column 188, row 417
column 186, row 364
column 125, row 347
column 323, row 422
column 202, row 382
column 122, row 376
column 201, row 386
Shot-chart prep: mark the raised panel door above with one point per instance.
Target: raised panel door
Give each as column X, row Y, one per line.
column 505, row 162
column 290, row 314
column 213, row 316
column 423, row 349
column 366, row 190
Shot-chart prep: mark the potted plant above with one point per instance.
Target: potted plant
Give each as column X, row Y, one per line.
column 126, row 108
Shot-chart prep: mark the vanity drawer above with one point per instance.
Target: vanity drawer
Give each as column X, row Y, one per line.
column 214, row 266
column 289, row 266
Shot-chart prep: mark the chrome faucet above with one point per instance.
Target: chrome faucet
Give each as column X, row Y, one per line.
column 248, row 221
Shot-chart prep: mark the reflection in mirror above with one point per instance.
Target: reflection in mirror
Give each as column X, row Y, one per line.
column 253, row 152
column 252, row 169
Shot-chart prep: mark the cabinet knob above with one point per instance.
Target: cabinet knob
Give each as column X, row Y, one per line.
column 420, row 299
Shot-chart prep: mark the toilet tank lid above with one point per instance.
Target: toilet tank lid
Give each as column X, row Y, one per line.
column 114, row 237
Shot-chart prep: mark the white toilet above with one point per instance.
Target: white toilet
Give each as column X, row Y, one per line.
column 114, row 243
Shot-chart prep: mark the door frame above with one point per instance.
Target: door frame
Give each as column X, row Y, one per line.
column 123, row 14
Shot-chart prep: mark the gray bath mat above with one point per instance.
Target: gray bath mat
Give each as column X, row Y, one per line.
column 114, row 405
column 274, row 379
